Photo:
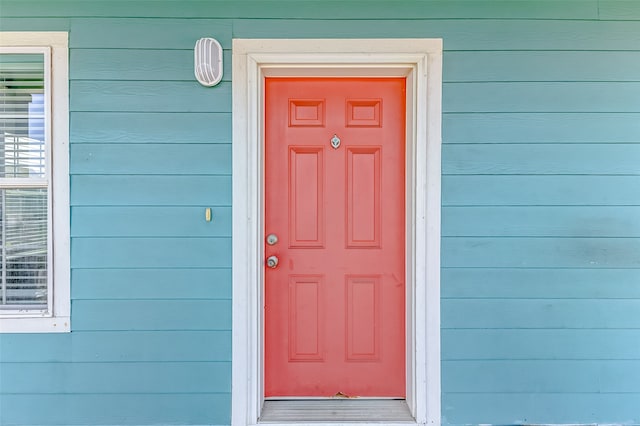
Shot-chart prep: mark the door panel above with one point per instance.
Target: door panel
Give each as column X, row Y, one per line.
column 306, row 196
column 363, row 197
column 335, row 303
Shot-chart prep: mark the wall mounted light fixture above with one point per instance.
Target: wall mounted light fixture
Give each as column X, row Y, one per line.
column 207, row 61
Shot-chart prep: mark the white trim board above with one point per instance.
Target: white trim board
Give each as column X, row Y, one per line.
column 57, row 318
column 420, row 61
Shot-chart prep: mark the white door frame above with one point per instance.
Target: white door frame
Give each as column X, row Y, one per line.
column 420, row 61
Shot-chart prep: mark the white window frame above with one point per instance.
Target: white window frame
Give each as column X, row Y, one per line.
column 55, row 46
column 420, row 61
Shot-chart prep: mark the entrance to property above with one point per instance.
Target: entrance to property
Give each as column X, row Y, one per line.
column 334, row 280
column 336, row 231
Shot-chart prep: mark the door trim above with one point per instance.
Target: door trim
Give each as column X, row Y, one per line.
column 420, row 61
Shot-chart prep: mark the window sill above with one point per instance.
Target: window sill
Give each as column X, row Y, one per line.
column 35, row 325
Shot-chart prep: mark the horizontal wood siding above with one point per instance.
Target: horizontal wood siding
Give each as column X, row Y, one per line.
column 541, row 247
column 540, row 217
column 151, row 279
column 119, row 408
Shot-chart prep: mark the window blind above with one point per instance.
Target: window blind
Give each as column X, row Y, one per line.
column 24, row 212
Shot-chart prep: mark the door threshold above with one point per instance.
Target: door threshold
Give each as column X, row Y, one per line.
column 336, row 410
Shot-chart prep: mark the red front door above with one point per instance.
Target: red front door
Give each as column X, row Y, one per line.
column 335, row 201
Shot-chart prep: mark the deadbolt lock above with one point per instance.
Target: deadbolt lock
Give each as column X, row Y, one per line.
column 272, row 239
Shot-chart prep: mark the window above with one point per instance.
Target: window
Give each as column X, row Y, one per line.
column 34, row 182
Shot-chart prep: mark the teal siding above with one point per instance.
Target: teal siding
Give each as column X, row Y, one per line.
column 168, row 159
column 117, row 127
column 540, row 190
column 533, row 128
column 117, row 408
column 151, row 280
column 155, row 190
column 540, row 217
column 146, row 96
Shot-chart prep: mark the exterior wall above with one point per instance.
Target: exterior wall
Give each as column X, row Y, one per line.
column 541, row 208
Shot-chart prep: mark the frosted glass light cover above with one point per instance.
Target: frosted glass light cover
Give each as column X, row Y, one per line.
column 207, row 61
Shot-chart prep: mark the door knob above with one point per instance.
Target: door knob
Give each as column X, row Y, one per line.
column 272, row 262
